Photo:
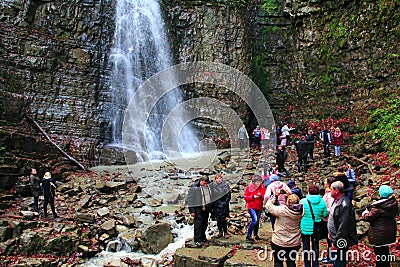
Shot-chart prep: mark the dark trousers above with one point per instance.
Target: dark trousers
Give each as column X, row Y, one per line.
column 327, row 152
column 310, row 254
column 36, row 203
column 272, row 219
column 340, row 258
column 222, row 225
column 302, row 162
column 311, row 152
column 200, row 226
column 349, row 193
column 257, row 141
column 382, row 256
column 241, row 144
column 48, row 200
column 282, row 254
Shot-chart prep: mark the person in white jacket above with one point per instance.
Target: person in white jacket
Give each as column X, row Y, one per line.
column 286, row 132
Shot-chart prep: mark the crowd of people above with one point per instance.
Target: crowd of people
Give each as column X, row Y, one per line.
column 300, row 220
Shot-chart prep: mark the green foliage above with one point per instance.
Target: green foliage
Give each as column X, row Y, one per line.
column 271, row 6
column 238, row 3
column 385, row 122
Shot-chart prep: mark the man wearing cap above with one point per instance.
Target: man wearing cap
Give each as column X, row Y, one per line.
column 199, row 201
column 381, row 216
column 295, row 189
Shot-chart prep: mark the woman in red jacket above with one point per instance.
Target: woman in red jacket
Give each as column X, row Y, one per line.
column 254, row 197
column 337, row 140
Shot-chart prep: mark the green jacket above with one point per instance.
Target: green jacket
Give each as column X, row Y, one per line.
column 319, row 209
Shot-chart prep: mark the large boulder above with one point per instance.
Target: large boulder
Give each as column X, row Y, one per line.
column 155, row 238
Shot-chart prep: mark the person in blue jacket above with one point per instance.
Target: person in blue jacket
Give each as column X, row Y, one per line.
column 313, row 201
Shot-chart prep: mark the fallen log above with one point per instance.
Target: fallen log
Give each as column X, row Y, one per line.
column 359, row 160
column 55, row 145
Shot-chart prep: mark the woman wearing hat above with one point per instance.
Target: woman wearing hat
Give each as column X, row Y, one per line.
column 381, row 216
column 48, row 192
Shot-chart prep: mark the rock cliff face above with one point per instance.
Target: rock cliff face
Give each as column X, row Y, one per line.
column 312, row 59
column 54, row 70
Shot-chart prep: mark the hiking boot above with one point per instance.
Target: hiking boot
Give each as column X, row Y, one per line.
column 226, row 236
column 256, row 237
column 198, row 244
column 250, row 240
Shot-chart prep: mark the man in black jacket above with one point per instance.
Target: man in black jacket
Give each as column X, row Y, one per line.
column 199, row 201
column 302, row 152
column 341, row 224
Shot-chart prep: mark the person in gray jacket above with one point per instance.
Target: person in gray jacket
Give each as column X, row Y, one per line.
column 341, row 224
column 243, row 137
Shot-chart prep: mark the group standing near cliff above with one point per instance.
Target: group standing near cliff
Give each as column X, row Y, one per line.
column 300, row 221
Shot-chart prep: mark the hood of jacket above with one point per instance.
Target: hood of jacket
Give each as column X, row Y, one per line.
column 389, row 205
column 296, row 208
column 314, row 199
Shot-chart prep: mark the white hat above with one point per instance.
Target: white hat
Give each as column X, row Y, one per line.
column 47, row 175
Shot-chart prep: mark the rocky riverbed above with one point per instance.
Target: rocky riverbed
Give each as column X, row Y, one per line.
column 135, row 215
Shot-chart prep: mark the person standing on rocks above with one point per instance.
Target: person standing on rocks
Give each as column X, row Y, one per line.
column 341, row 224
column 257, row 138
column 49, row 189
column 243, row 136
column 199, row 202
column 34, row 182
column 302, row 151
column 314, row 210
column 381, row 215
column 337, row 140
column 281, row 157
column 286, row 130
column 310, row 144
column 329, row 201
column 326, row 138
column 254, row 197
column 273, row 137
column 220, row 210
column 286, row 237
column 351, row 177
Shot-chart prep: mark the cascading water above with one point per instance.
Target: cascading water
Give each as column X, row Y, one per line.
column 141, row 50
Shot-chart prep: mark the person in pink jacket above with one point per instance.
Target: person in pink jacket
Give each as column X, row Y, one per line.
column 329, row 201
column 284, row 190
column 254, row 196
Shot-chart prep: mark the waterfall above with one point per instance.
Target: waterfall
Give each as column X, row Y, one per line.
column 140, row 50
